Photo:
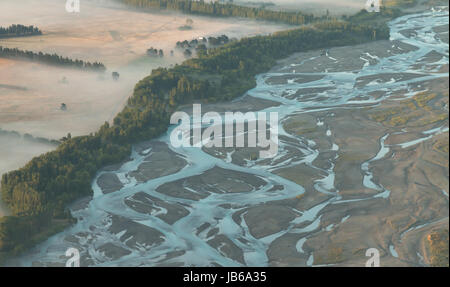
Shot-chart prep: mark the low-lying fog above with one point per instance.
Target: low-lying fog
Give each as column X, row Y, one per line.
column 318, row 7
column 31, row 93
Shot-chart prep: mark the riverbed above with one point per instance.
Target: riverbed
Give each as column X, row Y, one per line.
column 326, row 197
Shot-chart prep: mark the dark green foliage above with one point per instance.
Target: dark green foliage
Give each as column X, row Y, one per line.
column 50, row 59
column 17, row 233
column 19, row 31
column 38, row 193
column 217, row 41
column 50, row 181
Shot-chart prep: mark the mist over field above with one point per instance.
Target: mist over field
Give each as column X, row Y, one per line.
column 358, row 114
column 31, row 93
column 317, row 7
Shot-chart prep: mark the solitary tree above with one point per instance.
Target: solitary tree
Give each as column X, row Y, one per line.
column 187, row 53
column 115, row 76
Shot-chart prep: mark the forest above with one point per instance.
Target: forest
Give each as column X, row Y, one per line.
column 202, row 44
column 50, row 59
column 224, row 10
column 38, row 193
column 19, row 31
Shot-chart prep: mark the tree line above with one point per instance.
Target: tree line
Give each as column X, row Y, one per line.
column 38, row 193
column 18, row 30
column 28, row 137
column 202, row 44
column 225, row 10
column 50, row 59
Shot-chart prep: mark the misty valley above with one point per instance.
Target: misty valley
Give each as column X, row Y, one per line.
column 179, row 133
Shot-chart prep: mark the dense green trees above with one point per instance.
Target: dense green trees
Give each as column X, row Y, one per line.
column 42, row 188
column 51, row 59
column 19, row 31
column 38, row 193
column 49, row 181
column 153, row 52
